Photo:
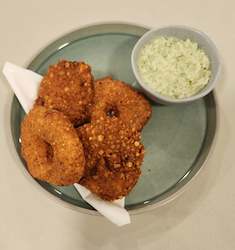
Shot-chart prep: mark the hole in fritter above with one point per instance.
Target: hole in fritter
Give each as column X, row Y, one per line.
column 49, row 152
column 112, row 111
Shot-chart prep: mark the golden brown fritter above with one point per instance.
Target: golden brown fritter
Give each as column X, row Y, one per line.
column 111, row 184
column 113, row 155
column 113, row 140
column 114, row 98
column 51, row 147
column 68, row 87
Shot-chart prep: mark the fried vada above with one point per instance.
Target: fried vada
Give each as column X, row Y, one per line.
column 113, row 140
column 115, row 99
column 111, row 184
column 51, row 147
column 113, row 155
column 68, row 87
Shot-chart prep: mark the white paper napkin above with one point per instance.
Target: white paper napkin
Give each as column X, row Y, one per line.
column 25, row 85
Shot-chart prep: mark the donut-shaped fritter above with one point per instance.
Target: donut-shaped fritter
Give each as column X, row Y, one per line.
column 111, row 139
column 111, row 184
column 68, row 87
column 51, row 147
column 113, row 157
column 114, row 98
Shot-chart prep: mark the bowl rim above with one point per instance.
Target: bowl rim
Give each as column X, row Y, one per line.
column 166, row 99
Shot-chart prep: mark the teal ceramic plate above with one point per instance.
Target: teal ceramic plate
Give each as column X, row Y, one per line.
column 177, row 138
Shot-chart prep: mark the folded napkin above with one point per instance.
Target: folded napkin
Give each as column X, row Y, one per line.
column 24, row 84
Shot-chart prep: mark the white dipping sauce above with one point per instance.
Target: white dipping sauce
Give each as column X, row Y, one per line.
column 174, row 67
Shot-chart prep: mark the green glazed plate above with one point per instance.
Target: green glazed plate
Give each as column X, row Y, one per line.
column 177, row 138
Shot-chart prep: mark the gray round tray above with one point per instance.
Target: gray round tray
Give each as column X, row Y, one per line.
column 177, row 139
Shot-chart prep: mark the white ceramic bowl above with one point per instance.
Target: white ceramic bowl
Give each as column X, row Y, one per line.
column 181, row 32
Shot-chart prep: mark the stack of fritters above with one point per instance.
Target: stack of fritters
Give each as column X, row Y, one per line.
column 98, row 121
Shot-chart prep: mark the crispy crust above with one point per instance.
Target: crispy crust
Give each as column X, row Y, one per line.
column 114, row 98
column 113, row 155
column 51, row 147
column 68, row 87
column 111, row 184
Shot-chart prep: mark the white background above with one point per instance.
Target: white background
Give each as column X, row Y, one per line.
column 202, row 218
